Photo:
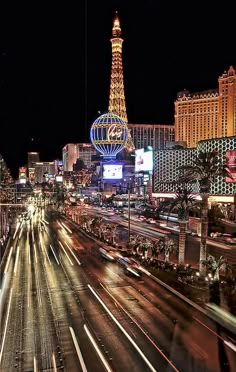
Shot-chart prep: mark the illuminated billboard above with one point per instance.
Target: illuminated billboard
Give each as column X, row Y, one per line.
column 144, row 160
column 22, row 172
column 231, row 165
column 112, row 171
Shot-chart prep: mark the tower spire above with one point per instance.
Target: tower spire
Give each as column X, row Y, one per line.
column 117, row 94
column 116, row 30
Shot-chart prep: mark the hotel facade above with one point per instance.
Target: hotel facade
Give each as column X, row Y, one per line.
column 208, row 114
column 154, row 135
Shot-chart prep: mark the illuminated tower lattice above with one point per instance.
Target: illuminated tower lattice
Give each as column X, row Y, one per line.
column 117, row 93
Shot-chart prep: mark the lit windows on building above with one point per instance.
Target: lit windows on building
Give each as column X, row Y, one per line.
column 154, row 135
column 207, row 114
column 73, row 151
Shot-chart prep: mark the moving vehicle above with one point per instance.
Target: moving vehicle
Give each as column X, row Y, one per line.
column 221, row 316
column 108, row 255
column 131, row 271
column 124, row 261
column 130, row 266
column 151, row 220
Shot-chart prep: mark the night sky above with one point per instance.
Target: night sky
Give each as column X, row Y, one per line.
column 55, row 63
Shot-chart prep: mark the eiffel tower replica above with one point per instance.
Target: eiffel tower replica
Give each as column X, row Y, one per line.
column 117, row 94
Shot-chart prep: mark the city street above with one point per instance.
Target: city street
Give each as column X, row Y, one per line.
column 65, row 307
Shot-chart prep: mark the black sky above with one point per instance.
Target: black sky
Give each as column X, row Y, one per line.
column 55, row 63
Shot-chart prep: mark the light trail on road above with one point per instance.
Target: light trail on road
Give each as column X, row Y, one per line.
column 80, row 356
column 150, row 366
column 66, row 253
column 77, row 260
column 16, row 261
column 8, row 260
column 6, row 324
column 54, row 254
column 106, row 365
column 141, row 329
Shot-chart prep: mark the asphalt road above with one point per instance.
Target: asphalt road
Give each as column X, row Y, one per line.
column 64, row 307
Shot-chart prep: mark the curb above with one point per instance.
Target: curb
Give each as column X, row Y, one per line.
column 176, row 293
column 182, row 297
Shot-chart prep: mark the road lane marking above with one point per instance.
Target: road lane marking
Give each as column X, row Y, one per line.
column 32, row 233
column 54, row 363
column 17, row 227
column 21, row 230
column 67, row 228
column 35, row 253
column 77, row 348
column 106, row 365
column 35, row 364
column 28, row 293
column 73, row 253
column 66, row 253
column 16, row 262
column 143, row 356
column 142, row 330
column 29, row 255
column 44, row 249
column 8, row 260
column 5, row 330
column 47, row 224
column 54, row 254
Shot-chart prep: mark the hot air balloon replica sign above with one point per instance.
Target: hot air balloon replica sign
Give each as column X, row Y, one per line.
column 109, row 135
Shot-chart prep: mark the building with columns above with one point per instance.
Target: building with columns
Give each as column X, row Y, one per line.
column 208, row 114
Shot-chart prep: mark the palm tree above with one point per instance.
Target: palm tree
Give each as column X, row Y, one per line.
column 155, row 247
column 83, row 221
column 229, row 288
column 138, row 243
column 97, row 221
column 182, row 203
column 216, row 265
column 112, row 232
column 132, row 242
column 147, row 244
column 204, row 168
column 167, row 247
